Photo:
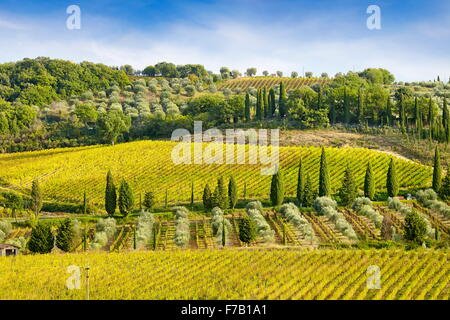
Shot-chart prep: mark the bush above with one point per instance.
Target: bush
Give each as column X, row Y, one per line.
column 262, row 227
column 105, row 230
column 5, row 229
column 217, row 222
column 144, row 229
column 290, row 212
column 182, row 232
column 41, row 240
column 363, row 206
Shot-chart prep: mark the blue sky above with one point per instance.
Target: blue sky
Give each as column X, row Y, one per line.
column 318, row 36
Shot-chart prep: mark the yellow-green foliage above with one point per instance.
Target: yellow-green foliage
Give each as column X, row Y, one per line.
column 231, row 274
column 64, row 174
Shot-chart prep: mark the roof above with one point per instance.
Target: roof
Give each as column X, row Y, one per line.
column 7, row 246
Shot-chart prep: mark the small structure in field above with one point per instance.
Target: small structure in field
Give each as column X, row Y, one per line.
column 7, row 250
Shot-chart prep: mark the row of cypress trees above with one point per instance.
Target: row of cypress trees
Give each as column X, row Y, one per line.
column 222, row 196
column 266, row 104
column 125, row 199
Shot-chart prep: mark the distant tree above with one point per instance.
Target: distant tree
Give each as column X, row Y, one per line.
column 247, row 229
column 391, row 181
column 324, row 75
column 437, row 179
column 225, row 73
column 277, row 189
column 232, row 192
column 415, row 227
column 126, row 199
column 324, row 176
column 149, row 200
column 369, row 182
column 149, row 71
column 14, row 202
column 294, row 74
column 300, row 183
column 207, row 198
column 348, row 190
column 308, row 194
column 265, row 73
column 280, row 74
column 251, row 72
column 112, row 124
column 41, row 240
column 235, row 74
column 110, row 195
column 282, row 102
column 308, row 74
column 127, row 69
column 272, row 102
column 36, row 197
column 65, row 237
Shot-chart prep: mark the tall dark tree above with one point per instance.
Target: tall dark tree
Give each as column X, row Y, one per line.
column 110, row 195
column 36, row 197
column 391, row 181
column 232, row 192
column 437, row 171
column 369, row 182
column 386, row 227
column 247, row 107
column 348, row 190
column 300, row 183
column 445, row 188
column 126, row 199
column 346, row 108
column 360, row 114
column 324, row 176
column 220, row 195
column 265, row 100
column 259, row 111
column 402, row 114
column 277, row 189
column 66, row 235
column 85, row 205
column 388, row 112
column 308, row 193
column 207, row 198
column 273, row 103
column 149, row 200
column 41, row 240
column 282, row 101
column 247, row 229
column 415, row 227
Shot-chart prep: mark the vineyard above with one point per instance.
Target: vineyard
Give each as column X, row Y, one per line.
column 231, row 274
column 65, row 174
column 269, row 82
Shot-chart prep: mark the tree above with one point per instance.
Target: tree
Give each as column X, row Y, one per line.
column 369, row 182
column 308, row 194
column 220, row 195
column 415, row 227
column 110, row 195
column 277, row 189
column 324, row 176
column 149, row 200
column 445, row 188
column 437, row 179
column 265, row 73
column 225, row 73
column 280, row 74
column 282, row 101
column 36, row 197
column 14, row 202
column 85, row 205
column 66, row 235
column 41, row 240
column 232, row 192
column 391, row 181
column 247, row 107
column 251, row 72
column 346, row 108
column 272, row 102
column 207, row 198
column 300, row 183
column 126, row 200
column 387, row 227
column 247, row 229
column 149, row 71
column 112, row 124
column 348, row 190
column 294, row 74
column 127, row 69
column 259, row 112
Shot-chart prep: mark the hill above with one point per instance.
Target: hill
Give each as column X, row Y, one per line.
column 147, row 165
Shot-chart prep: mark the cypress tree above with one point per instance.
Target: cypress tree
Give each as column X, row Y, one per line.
column 232, row 192
column 308, row 194
column 85, row 203
column 300, row 183
column 36, row 197
column 346, row 108
column 277, row 189
column 437, row 179
column 391, row 181
column 348, row 190
column 149, row 200
column 445, row 114
column 416, row 111
column 207, row 198
column 445, row 188
column 41, row 240
column 430, row 113
column 223, row 231
column 247, row 229
column 388, row 112
column 360, row 108
column 282, row 101
column 192, row 195
column 247, row 108
column 324, row 176
column 319, row 98
column 419, row 125
column 110, row 195
column 126, row 199
column 447, row 133
column 65, row 237
column 245, row 191
column 259, row 110
column 220, row 195
column 265, row 100
column 402, row 114
column 369, row 183
column 273, row 104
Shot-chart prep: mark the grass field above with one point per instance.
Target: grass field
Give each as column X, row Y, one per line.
column 231, row 274
column 147, row 165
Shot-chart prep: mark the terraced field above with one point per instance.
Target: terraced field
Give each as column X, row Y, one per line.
column 269, row 82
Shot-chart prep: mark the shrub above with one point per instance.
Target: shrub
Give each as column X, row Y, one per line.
column 144, row 228
column 182, row 234
column 363, row 206
column 217, row 222
column 262, row 227
column 5, row 229
column 290, row 212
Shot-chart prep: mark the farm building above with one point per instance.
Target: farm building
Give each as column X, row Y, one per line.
column 8, row 250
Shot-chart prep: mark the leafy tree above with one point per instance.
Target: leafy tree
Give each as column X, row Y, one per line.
column 66, row 235
column 207, row 198
column 41, row 240
column 391, row 181
column 14, row 202
column 294, row 74
column 300, row 183
column 112, row 124
column 149, row 200
column 149, row 71
column 415, row 227
column 369, row 182
column 348, row 190
column 225, row 73
column 86, row 113
column 277, row 189
column 280, row 74
column 251, row 72
column 232, row 192
column 36, row 197
column 282, row 102
column 324, row 176
column 127, row 69
column 126, row 199
column 437, row 179
column 110, row 195
column 247, row 229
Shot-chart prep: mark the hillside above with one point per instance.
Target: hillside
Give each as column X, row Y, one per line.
column 269, row 82
column 66, row 173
